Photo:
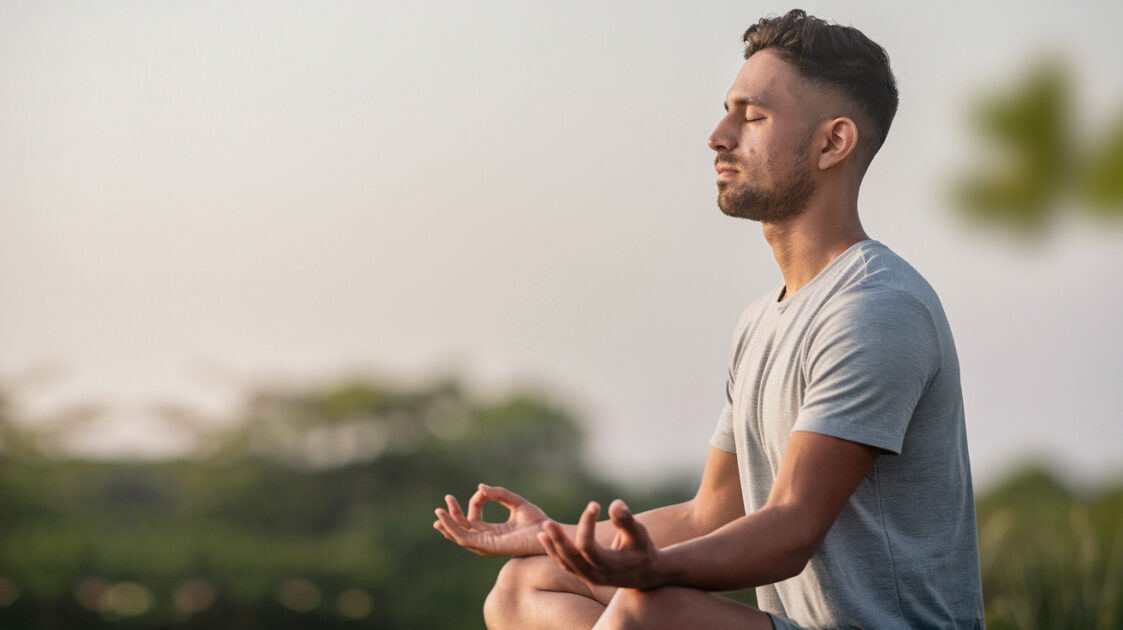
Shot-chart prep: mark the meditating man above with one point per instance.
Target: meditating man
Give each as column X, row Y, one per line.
column 837, row 481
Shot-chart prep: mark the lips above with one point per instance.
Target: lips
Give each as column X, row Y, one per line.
column 724, row 165
column 725, row 171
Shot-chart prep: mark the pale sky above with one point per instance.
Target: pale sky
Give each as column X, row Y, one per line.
column 196, row 197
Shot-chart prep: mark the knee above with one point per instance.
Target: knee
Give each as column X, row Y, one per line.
column 518, row 578
column 503, row 598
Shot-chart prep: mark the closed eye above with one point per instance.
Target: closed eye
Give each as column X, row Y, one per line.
column 755, row 119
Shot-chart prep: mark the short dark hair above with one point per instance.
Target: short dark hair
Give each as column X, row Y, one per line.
column 839, row 57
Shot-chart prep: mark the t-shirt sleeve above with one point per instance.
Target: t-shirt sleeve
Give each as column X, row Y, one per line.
column 870, row 356
column 723, row 433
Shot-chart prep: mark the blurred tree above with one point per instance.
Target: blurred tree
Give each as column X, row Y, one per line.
column 1038, row 166
column 312, row 509
column 1051, row 558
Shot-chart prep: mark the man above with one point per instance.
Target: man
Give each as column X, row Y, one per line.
column 837, row 481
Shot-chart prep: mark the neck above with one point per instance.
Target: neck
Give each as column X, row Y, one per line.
column 805, row 244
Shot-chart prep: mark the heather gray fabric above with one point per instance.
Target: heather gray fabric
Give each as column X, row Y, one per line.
column 863, row 352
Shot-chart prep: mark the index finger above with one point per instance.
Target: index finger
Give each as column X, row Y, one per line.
column 502, row 496
column 486, row 493
column 568, row 556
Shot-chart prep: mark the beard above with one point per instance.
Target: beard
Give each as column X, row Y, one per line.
column 784, row 200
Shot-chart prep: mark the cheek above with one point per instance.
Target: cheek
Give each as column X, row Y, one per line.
column 759, row 144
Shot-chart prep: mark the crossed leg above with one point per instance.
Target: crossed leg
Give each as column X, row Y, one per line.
column 533, row 593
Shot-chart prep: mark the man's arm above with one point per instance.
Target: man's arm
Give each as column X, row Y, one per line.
column 717, row 502
column 818, row 473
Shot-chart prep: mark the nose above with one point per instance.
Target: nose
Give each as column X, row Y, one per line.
column 723, row 137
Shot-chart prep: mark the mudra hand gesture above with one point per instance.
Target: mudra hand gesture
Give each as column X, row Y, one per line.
column 631, row 561
column 518, row 536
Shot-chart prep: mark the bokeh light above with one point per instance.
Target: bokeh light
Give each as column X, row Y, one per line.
column 9, row 593
column 194, row 595
column 298, row 594
column 90, row 593
column 128, row 599
column 354, row 603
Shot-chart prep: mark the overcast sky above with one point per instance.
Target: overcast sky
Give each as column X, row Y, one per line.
column 196, row 197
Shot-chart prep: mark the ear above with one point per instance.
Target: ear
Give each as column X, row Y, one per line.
column 841, row 140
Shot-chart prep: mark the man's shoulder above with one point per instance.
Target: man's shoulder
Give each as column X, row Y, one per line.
column 883, row 267
column 874, row 299
column 878, row 278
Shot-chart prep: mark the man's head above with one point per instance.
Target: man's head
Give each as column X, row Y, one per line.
column 811, row 96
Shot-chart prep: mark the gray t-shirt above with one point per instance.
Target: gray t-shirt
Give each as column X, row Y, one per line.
column 864, row 353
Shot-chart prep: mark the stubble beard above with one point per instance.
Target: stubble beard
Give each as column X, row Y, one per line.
column 786, row 199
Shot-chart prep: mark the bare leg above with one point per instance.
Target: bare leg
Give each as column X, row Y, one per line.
column 673, row 608
column 533, row 593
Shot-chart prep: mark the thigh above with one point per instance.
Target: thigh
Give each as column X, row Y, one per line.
column 676, row 607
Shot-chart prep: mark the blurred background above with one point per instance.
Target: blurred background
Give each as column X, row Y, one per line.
column 274, row 277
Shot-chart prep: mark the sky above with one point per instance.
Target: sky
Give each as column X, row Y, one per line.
column 197, row 198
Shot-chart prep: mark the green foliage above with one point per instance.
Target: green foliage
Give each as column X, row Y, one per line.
column 1051, row 558
column 1101, row 184
column 1037, row 165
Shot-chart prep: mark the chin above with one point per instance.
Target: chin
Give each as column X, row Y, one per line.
column 735, row 207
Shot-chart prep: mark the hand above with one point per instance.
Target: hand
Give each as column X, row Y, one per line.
column 632, row 562
column 516, row 537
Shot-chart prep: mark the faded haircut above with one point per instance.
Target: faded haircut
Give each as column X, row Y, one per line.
column 838, row 57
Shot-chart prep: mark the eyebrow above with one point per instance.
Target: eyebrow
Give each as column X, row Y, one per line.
column 746, row 101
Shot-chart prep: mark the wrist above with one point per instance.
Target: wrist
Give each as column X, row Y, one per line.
column 666, row 567
column 540, row 549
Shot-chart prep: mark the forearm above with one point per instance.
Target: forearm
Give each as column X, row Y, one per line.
column 721, row 548
column 666, row 525
column 767, row 546
column 817, row 476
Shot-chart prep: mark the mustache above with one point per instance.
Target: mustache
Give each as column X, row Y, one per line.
column 726, row 158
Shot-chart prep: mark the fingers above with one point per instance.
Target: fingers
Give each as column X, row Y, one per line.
column 476, row 505
column 441, row 525
column 502, row 496
column 448, row 526
column 455, row 511
column 452, row 524
column 440, row 528
column 568, row 557
column 467, row 538
column 582, row 558
column 587, row 532
column 626, row 522
column 486, row 493
column 555, row 553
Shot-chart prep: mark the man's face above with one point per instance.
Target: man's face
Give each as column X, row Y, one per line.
column 763, row 143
